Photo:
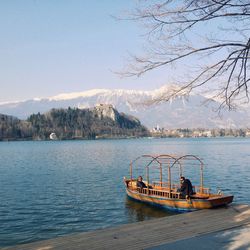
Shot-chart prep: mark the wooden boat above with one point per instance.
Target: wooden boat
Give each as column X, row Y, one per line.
column 167, row 194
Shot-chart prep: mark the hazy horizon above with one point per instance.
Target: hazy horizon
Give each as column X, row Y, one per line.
column 49, row 48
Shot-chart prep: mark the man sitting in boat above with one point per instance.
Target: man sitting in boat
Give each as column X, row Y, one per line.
column 140, row 183
column 186, row 187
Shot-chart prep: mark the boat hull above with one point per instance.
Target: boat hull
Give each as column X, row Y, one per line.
column 181, row 205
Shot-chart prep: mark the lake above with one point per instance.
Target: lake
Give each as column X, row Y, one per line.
column 53, row 188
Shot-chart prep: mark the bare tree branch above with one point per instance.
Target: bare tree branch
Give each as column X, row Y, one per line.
column 181, row 30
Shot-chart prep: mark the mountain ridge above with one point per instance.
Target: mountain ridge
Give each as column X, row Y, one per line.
column 182, row 111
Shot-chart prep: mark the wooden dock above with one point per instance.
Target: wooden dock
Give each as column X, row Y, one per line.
column 152, row 233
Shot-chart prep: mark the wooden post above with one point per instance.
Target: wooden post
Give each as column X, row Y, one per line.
column 169, row 180
column 131, row 171
column 202, row 178
column 161, row 174
column 148, row 180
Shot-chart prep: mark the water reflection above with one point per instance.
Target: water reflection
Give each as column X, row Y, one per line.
column 140, row 211
column 49, row 189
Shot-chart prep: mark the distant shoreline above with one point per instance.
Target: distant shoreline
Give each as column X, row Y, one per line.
column 123, row 138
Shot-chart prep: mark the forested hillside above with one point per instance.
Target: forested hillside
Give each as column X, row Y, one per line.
column 12, row 128
column 100, row 122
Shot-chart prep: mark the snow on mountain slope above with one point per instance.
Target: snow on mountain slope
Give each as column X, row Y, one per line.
column 68, row 96
column 180, row 112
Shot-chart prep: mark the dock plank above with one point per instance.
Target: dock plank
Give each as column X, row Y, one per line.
column 149, row 233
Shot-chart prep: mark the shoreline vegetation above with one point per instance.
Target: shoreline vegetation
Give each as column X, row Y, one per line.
column 100, row 122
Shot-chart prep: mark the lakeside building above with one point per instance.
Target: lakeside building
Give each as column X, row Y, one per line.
column 199, row 132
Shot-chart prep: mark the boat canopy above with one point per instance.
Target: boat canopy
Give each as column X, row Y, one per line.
column 168, row 162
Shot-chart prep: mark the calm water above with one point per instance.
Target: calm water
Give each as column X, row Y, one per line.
column 55, row 188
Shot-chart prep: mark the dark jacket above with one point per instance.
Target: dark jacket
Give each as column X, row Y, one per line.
column 141, row 184
column 186, row 188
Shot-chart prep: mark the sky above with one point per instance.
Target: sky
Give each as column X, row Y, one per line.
column 49, row 47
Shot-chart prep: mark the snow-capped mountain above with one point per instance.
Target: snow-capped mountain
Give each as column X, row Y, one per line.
column 180, row 112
